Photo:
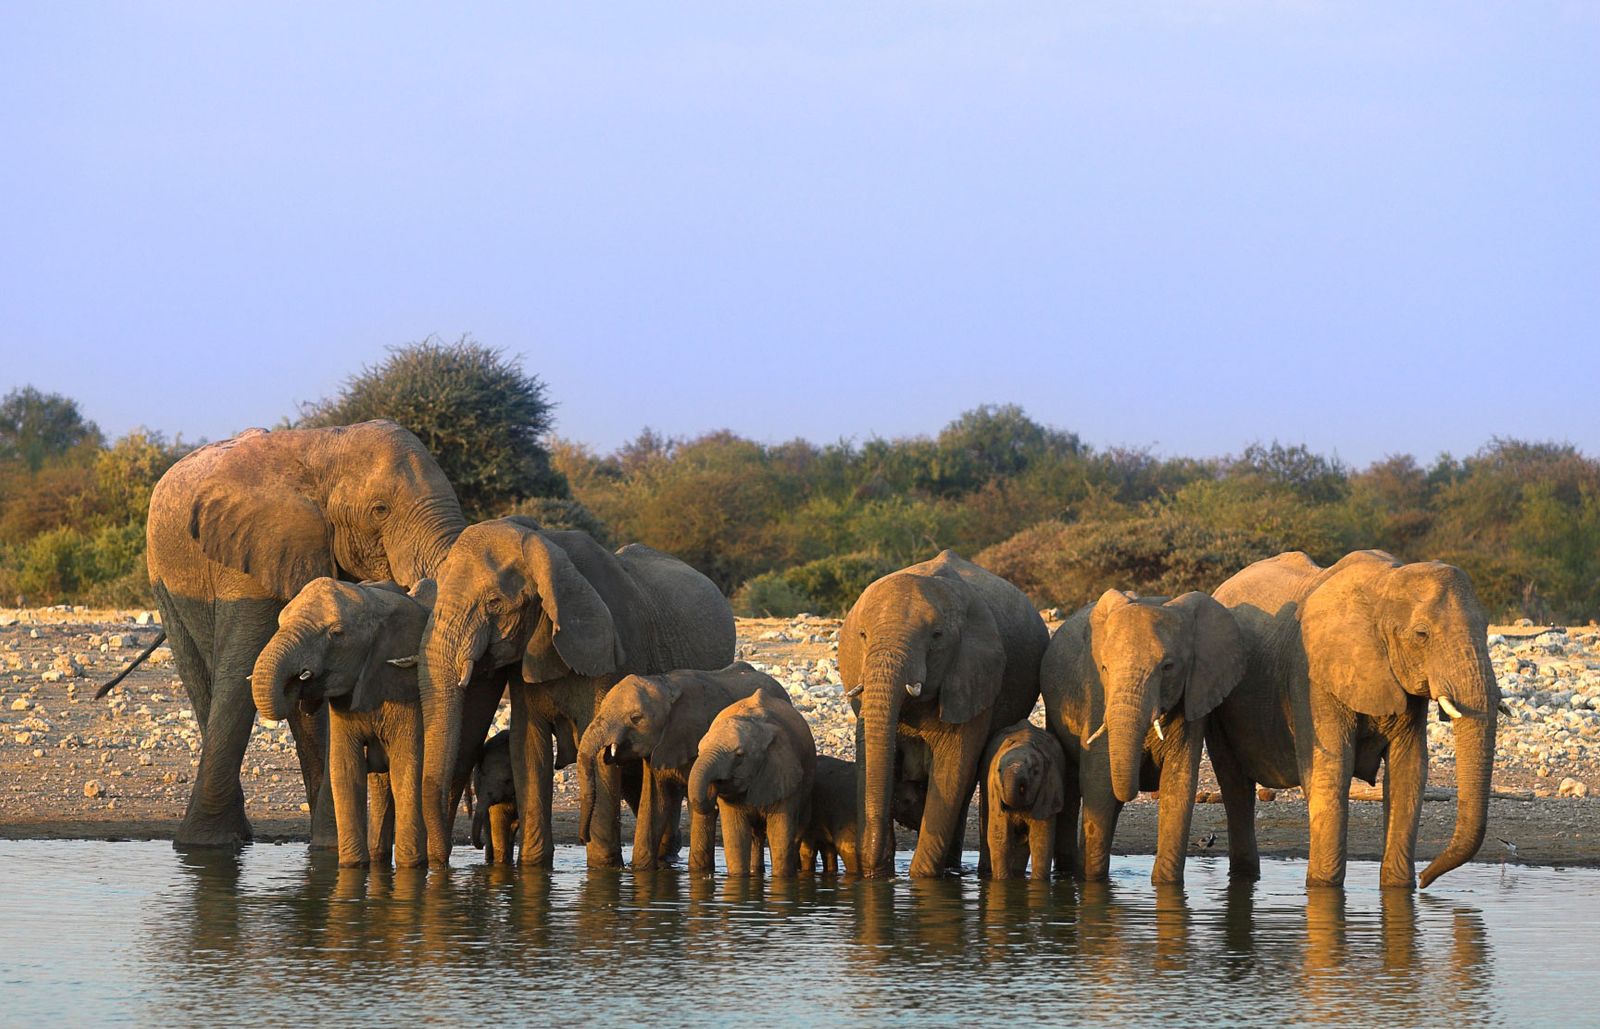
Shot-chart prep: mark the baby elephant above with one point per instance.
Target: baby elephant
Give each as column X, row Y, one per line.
column 1022, row 794
column 497, row 800
column 655, row 722
column 355, row 646
column 755, row 768
column 833, row 829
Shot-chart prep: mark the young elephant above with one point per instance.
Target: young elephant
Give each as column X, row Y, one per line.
column 656, row 722
column 756, row 766
column 833, row 830
column 1023, row 769
column 1143, row 673
column 497, row 800
column 355, row 646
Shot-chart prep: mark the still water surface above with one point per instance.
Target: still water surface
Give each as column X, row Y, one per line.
column 101, row 932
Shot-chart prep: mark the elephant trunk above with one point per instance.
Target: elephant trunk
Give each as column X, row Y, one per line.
column 1015, row 786
column 422, row 546
column 1130, row 709
column 278, row 665
column 442, row 669
column 1474, row 734
column 886, row 686
column 709, row 769
column 588, row 774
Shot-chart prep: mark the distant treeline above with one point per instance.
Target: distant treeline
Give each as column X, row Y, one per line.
column 798, row 526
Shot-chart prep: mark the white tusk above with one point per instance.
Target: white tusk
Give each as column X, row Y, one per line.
column 854, row 691
column 611, row 752
column 1097, row 734
column 1449, row 708
column 404, row 662
column 1159, row 734
column 305, row 673
column 914, row 688
column 466, row 675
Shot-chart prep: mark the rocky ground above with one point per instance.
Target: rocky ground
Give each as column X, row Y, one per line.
column 121, row 767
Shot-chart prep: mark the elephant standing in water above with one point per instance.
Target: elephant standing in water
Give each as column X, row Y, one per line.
column 932, row 657
column 574, row 618
column 236, row 529
column 1343, row 662
column 1144, row 673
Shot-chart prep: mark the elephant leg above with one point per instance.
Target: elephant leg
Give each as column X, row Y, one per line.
column 347, row 768
column 1239, row 801
column 736, row 839
column 646, row 830
column 405, row 780
column 310, row 732
column 994, row 858
column 533, row 772
column 1179, row 774
column 671, row 814
column 380, row 817
column 1041, row 845
column 1328, row 801
column 1100, row 812
column 1068, row 860
column 215, row 816
column 502, row 834
column 950, row 780
column 702, row 841
column 783, row 837
column 808, row 858
column 478, row 707
column 1405, row 779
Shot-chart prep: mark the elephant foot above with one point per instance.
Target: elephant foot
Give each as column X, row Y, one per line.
column 231, row 833
column 1245, row 871
column 353, row 862
column 1314, row 882
column 1396, row 880
column 603, row 857
column 1166, row 879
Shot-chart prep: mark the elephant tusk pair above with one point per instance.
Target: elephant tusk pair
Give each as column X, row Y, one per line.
column 1097, row 734
column 1448, row 707
column 1156, row 721
column 914, row 688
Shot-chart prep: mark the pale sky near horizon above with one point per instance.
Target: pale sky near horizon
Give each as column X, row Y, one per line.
column 1365, row 227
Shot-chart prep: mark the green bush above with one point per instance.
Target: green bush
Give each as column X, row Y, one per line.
column 832, row 584
column 770, row 596
column 563, row 513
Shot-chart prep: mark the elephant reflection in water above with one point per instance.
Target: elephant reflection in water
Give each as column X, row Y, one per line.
column 932, row 922
column 1110, row 940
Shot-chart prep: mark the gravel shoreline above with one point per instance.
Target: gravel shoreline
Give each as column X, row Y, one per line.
column 74, row 768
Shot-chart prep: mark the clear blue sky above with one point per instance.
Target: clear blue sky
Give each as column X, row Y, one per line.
column 1366, row 227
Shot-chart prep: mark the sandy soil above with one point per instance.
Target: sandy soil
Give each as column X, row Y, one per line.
column 71, row 767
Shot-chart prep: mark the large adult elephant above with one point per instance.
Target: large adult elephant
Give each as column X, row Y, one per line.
column 933, row 656
column 236, row 529
column 568, row 618
column 1343, row 663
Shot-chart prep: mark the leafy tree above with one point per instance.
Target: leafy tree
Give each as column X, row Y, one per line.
column 483, row 418
column 36, row 427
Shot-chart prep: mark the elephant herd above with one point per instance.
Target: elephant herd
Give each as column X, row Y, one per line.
column 331, row 570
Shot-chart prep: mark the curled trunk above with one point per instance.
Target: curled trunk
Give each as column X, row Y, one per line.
column 588, row 776
column 270, row 678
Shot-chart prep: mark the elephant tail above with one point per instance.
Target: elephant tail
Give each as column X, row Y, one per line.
column 161, row 637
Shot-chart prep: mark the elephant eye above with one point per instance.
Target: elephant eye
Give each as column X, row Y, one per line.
column 938, row 633
column 335, row 631
column 380, row 509
column 1167, row 666
column 1422, row 632
column 636, row 717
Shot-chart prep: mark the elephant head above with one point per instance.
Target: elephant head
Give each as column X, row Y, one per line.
column 744, row 758
column 354, row 646
column 508, row 594
column 360, row 501
column 929, row 641
column 1024, row 768
column 496, row 797
column 1153, row 658
column 1377, row 633
column 633, row 723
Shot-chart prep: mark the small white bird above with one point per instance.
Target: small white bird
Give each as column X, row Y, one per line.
column 1205, row 842
column 1511, row 848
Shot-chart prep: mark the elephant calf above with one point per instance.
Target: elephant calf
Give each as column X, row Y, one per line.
column 655, row 722
column 496, row 800
column 355, row 646
column 1023, row 769
column 833, row 829
column 1128, row 684
column 756, row 766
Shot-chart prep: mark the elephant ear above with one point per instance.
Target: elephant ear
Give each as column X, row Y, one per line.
column 852, row 653
column 780, row 773
column 1052, row 792
column 978, row 667
column 389, row 671
column 576, row 623
column 1344, row 650
column 1070, row 678
column 680, row 738
column 1219, row 654
column 248, row 518
column 426, row 593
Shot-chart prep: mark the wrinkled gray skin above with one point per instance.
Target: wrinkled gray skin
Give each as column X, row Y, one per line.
column 1021, row 793
column 496, row 793
column 355, row 647
column 833, row 829
column 940, row 651
column 1344, row 662
column 754, row 772
column 1129, row 664
column 235, row 530
column 564, row 619
column 655, row 722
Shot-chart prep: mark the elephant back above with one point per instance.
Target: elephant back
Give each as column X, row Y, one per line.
column 690, row 624
column 1022, row 632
